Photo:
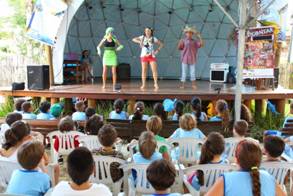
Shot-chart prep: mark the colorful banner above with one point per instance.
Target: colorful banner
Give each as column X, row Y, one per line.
column 259, row 60
column 45, row 20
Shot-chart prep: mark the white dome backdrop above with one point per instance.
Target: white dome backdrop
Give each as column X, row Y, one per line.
column 167, row 17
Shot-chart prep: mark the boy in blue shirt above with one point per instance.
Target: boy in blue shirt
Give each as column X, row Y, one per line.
column 79, row 115
column 27, row 111
column 29, row 181
column 45, row 111
column 118, row 112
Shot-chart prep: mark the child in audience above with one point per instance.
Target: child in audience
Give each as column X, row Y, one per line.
column 160, row 111
column 27, row 111
column 29, row 181
column 89, row 112
column 147, row 149
column 80, row 166
column 161, row 175
column 154, row 125
column 196, row 109
column 66, row 124
column 246, row 114
column 274, row 147
column 211, row 153
column 108, row 136
column 45, row 111
column 17, row 105
column 93, row 124
column 290, row 115
column 223, row 113
column 249, row 180
column 240, row 129
column 139, row 112
column 10, row 118
column 118, row 112
column 56, row 110
column 178, row 107
column 79, row 115
column 187, row 124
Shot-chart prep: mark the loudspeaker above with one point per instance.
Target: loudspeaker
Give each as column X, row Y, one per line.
column 38, row 77
column 123, row 71
column 18, row 86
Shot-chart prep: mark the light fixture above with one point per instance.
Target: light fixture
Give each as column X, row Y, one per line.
column 211, row 7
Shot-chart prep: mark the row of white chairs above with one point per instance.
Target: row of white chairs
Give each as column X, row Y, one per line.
column 141, row 186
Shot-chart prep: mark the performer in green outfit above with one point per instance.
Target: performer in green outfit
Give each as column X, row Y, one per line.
column 111, row 46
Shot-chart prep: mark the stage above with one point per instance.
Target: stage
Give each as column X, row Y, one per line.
column 168, row 89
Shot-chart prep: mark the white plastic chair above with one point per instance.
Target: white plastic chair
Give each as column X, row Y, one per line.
column 140, row 185
column 2, row 139
column 230, row 147
column 66, row 143
column 211, row 173
column 6, row 169
column 279, row 170
column 189, row 149
column 103, row 173
column 90, row 141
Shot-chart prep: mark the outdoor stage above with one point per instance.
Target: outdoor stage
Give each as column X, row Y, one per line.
column 168, row 89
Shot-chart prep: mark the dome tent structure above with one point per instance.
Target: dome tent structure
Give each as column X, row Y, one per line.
column 168, row 17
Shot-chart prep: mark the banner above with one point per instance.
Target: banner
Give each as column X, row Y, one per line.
column 259, row 60
column 45, row 20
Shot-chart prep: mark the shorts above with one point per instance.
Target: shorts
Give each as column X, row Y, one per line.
column 148, row 59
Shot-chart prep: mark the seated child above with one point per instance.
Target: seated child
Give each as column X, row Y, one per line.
column 45, row 111
column 223, row 113
column 196, row 109
column 187, row 124
column 139, row 112
column 211, row 153
column 273, row 147
column 29, row 181
column 154, row 125
column 80, row 166
column 118, row 112
column 160, row 111
column 290, row 115
column 178, row 107
column 93, row 124
column 66, row 124
column 10, row 118
column 108, row 136
column 17, row 105
column 240, row 129
column 56, row 110
column 27, row 111
column 249, row 180
column 161, row 175
column 89, row 112
column 147, row 149
column 79, row 115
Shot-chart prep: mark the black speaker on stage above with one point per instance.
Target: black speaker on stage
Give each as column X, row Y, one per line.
column 38, row 77
column 123, row 71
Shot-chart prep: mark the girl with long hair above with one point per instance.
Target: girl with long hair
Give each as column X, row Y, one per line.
column 148, row 55
column 197, row 109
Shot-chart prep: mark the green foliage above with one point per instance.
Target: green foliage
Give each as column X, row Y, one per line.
column 104, row 108
column 6, row 107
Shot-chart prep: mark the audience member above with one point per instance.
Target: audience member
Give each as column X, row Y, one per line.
column 273, row 147
column 139, row 112
column 118, row 112
column 79, row 115
column 108, row 136
column 93, row 124
column 17, row 105
column 154, row 125
column 10, row 118
column 223, row 113
column 246, row 114
column 45, row 111
column 56, row 110
column 290, row 115
column 178, row 107
column 27, row 111
column 29, row 181
column 249, row 180
column 196, row 108
column 89, row 112
column 211, row 153
column 80, row 166
column 160, row 111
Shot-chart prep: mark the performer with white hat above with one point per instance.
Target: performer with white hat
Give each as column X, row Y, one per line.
column 189, row 47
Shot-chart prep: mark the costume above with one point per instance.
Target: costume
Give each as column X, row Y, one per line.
column 147, row 51
column 188, row 48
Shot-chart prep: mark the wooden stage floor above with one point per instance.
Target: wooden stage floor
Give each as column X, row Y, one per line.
column 168, row 89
